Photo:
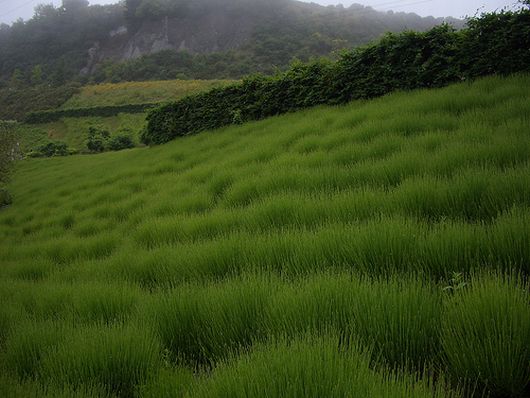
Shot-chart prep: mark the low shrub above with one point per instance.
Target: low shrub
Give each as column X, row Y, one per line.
column 5, row 198
column 52, row 148
column 97, row 139
column 100, row 140
column 119, row 142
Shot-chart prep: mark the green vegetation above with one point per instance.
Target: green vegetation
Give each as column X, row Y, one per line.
column 73, row 130
column 100, row 140
column 9, row 153
column 117, row 113
column 375, row 249
column 8, row 149
column 148, row 92
column 15, row 103
column 50, row 149
column 486, row 334
column 98, row 111
column 495, row 43
column 107, row 100
column 248, row 36
column 119, row 142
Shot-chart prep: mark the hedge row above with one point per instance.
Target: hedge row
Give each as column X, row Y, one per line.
column 101, row 111
column 497, row 43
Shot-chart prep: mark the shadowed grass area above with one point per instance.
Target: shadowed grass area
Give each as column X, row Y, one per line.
column 312, row 254
column 486, row 332
column 311, row 367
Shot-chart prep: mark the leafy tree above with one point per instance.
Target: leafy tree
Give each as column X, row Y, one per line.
column 59, row 74
column 494, row 43
column 36, row 75
column 59, row 38
column 131, row 19
column 74, row 5
column 97, row 139
column 45, row 11
column 17, row 79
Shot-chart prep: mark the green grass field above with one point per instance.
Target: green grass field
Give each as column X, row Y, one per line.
column 378, row 249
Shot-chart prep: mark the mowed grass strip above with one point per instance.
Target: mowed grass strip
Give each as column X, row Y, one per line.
column 199, row 267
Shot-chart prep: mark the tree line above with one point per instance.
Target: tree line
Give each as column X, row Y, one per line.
column 495, row 43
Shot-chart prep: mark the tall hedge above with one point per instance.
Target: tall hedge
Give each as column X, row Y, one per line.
column 497, row 43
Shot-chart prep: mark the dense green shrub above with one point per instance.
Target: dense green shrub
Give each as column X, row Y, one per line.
column 493, row 43
column 97, row 139
column 5, row 198
column 52, row 148
column 98, row 111
column 119, row 142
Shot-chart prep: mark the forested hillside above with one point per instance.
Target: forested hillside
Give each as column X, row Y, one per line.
column 164, row 39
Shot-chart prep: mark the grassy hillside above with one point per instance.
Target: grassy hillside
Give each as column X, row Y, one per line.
column 139, row 92
column 379, row 249
column 73, row 131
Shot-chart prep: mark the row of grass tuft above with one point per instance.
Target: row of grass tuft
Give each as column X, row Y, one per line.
column 376, row 249
column 475, row 333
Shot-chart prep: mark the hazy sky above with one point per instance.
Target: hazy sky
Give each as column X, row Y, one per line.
column 10, row 10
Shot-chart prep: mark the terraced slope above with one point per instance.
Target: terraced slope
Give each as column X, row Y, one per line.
column 73, row 130
column 379, row 249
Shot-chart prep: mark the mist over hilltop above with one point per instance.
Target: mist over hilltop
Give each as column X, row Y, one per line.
column 146, row 39
column 11, row 10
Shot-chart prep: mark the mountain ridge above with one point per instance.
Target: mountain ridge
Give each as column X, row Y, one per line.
column 81, row 40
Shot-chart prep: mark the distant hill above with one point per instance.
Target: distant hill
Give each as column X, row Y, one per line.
column 164, row 39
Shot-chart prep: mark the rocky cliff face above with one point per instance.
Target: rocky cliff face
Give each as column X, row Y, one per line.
column 206, row 33
column 265, row 34
column 217, row 29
